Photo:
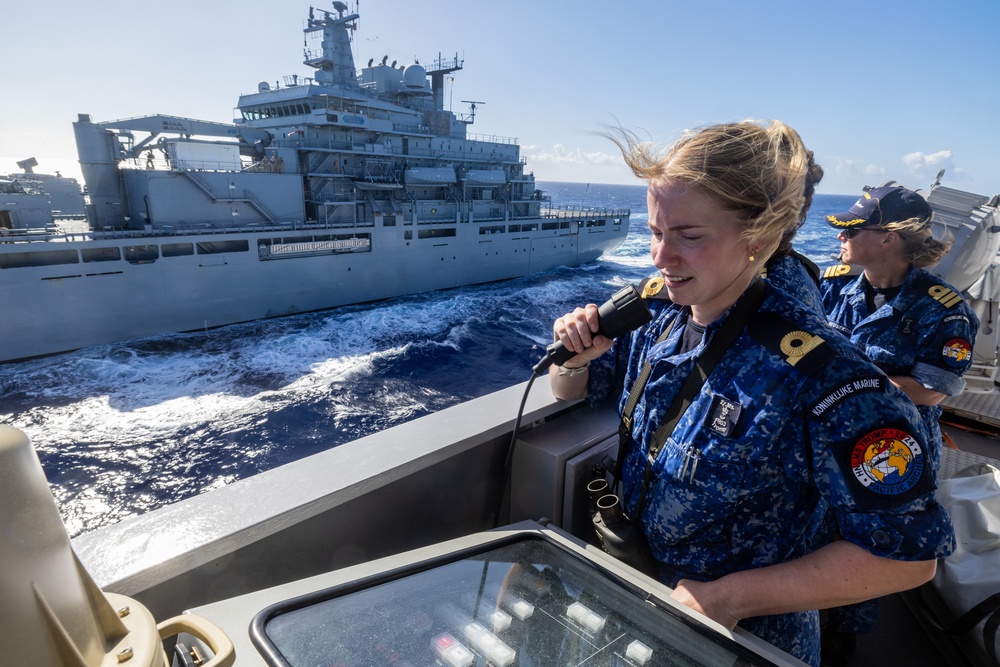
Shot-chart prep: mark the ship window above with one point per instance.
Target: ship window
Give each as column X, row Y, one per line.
column 216, row 247
column 17, row 260
column 141, row 254
column 595, row 223
column 111, row 254
column 491, row 230
column 177, row 249
column 435, row 233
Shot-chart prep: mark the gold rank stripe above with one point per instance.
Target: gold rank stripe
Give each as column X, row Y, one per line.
column 836, row 271
column 948, row 298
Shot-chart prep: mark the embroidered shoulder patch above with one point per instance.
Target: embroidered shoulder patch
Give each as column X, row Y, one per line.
column 885, row 466
column 888, row 462
column 858, row 385
column 956, row 351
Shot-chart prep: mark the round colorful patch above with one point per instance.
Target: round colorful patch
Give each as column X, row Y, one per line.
column 888, row 461
column 956, row 351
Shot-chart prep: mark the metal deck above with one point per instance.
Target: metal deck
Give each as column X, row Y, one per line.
column 982, row 407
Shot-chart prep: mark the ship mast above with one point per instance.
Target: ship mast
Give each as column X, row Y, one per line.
column 328, row 46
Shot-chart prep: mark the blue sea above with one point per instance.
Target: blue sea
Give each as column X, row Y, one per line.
column 125, row 428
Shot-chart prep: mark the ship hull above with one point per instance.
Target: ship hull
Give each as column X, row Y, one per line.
column 66, row 306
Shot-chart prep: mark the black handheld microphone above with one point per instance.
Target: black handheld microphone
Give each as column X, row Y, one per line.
column 623, row 312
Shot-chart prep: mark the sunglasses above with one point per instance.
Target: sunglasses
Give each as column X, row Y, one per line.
column 854, row 231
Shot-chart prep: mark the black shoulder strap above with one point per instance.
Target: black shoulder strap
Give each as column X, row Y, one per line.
column 723, row 339
column 806, row 351
column 810, row 265
column 841, row 270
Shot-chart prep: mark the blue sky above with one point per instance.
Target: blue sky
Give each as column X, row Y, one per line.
column 888, row 90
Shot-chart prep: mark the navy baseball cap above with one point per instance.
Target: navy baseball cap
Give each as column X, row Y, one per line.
column 880, row 206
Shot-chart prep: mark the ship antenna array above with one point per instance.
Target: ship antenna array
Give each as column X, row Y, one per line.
column 472, row 110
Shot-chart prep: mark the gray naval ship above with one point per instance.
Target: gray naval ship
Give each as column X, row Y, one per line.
column 31, row 200
column 343, row 187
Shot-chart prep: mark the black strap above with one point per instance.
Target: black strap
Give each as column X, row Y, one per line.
column 717, row 347
column 810, row 265
column 625, row 424
column 988, row 608
column 990, row 634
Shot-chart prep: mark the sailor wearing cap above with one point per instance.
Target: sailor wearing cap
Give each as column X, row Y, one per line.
column 729, row 475
column 913, row 325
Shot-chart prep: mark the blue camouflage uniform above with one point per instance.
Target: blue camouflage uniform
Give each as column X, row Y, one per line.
column 927, row 331
column 790, row 273
column 775, row 438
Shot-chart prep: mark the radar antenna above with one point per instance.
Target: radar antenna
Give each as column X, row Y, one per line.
column 28, row 165
column 471, row 117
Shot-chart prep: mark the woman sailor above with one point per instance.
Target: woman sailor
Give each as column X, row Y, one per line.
column 791, row 422
column 913, row 325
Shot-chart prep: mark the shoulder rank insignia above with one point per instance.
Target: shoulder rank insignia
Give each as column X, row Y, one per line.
column 797, row 344
column 651, row 287
column 805, row 351
column 947, row 297
column 839, row 270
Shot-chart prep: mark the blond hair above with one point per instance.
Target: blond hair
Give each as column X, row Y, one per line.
column 747, row 167
column 920, row 248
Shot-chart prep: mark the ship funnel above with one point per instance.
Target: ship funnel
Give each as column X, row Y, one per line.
column 51, row 611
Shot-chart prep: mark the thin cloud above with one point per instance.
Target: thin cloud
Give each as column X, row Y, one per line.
column 926, row 166
column 560, row 156
column 847, row 175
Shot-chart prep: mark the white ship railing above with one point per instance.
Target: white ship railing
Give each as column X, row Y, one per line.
column 583, row 212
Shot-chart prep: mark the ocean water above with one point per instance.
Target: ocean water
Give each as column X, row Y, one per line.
column 125, row 428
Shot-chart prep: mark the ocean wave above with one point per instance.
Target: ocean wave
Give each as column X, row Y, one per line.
column 125, row 428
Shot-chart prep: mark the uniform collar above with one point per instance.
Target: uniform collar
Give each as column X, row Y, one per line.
column 855, row 291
